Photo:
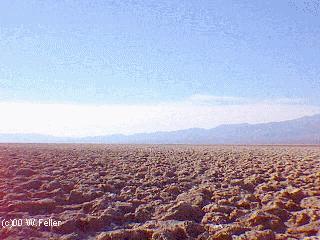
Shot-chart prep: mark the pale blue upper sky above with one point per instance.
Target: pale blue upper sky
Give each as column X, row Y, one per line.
column 120, row 52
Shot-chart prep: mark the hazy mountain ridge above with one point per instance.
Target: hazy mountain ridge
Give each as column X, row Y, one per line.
column 305, row 130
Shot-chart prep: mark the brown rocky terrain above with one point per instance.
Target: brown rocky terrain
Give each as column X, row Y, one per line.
column 161, row 192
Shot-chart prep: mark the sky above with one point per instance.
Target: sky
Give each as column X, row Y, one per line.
column 80, row 68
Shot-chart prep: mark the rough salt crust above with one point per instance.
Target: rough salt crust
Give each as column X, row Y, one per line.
column 161, row 192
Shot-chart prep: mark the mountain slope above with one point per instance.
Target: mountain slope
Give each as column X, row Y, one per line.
column 305, row 130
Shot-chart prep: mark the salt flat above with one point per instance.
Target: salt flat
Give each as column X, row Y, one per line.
column 160, row 191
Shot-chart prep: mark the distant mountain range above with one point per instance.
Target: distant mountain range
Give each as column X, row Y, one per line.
column 305, row 130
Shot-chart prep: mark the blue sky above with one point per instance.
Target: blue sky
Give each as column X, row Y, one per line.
column 101, row 53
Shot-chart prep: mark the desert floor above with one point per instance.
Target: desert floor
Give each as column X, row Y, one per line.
column 159, row 192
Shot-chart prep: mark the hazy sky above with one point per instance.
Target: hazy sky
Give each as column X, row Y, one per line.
column 97, row 67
